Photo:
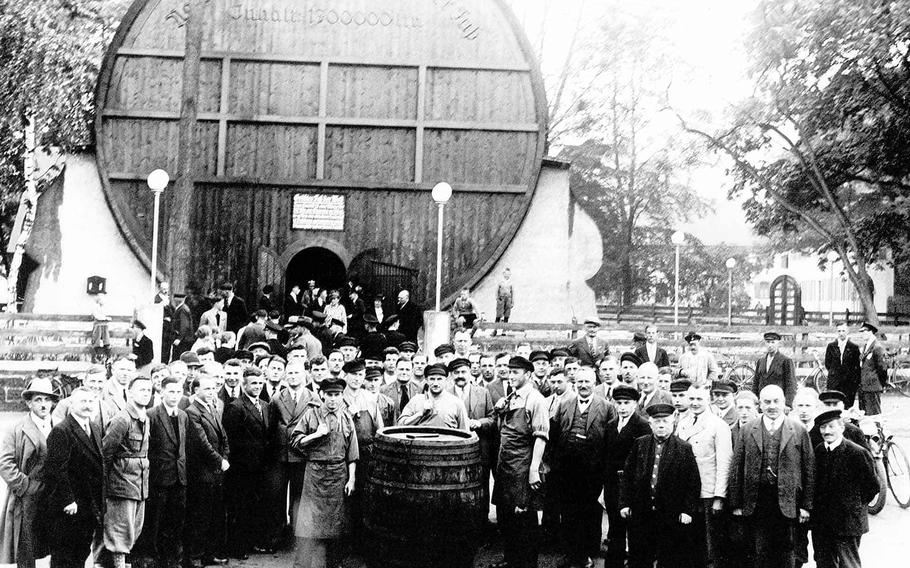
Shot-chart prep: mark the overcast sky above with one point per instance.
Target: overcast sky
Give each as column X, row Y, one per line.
column 709, row 35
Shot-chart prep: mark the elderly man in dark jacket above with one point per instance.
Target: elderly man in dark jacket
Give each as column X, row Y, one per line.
column 772, row 480
column 845, row 482
column 659, row 495
column 125, row 449
column 72, row 507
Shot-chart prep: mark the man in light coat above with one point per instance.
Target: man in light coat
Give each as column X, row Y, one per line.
column 22, row 455
column 712, row 445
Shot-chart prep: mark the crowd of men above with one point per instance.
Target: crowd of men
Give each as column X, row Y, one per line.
column 233, row 449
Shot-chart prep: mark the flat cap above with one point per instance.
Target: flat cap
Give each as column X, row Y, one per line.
column 592, row 321
column 354, row 366
column 408, row 347
column 631, row 357
column 771, row 336
column 660, row 410
column 435, row 370
column 680, row 385
column 831, row 395
column 518, row 362
column 457, row 363
column 723, row 386
column 558, row 352
column 346, row 341
column 539, row 355
column 332, row 385
column 444, row 349
column 625, row 392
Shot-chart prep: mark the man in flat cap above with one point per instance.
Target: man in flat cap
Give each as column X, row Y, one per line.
column 589, row 349
column 696, row 362
column 723, row 394
column 679, row 397
column 444, row 354
column 659, row 495
column 772, row 486
column 842, row 364
column 845, row 482
column 873, row 371
column 775, row 368
column 649, row 350
column 540, row 378
column 436, row 407
column 621, row 433
column 23, row 452
column 524, row 431
column 326, row 436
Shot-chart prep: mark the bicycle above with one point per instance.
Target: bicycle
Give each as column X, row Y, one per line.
column 740, row 374
column 818, row 379
column 891, row 465
column 899, row 375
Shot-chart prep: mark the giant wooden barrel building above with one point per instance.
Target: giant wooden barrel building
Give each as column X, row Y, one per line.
column 304, row 137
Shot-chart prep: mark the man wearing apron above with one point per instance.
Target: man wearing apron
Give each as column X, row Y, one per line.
column 525, row 425
column 364, row 410
column 325, row 435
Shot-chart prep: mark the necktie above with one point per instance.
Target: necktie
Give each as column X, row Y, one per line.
column 258, row 408
column 218, row 320
column 87, row 430
column 404, row 398
column 508, row 389
column 694, row 419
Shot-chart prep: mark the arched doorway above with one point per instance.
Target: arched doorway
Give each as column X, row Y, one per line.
column 786, row 301
column 319, row 264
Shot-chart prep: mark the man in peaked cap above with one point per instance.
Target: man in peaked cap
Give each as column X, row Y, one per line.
column 541, row 361
column 873, row 371
column 696, row 362
column 444, row 354
column 588, row 349
column 659, row 494
column 845, row 482
column 679, row 396
column 775, row 368
column 722, row 397
column 835, row 400
column 436, row 407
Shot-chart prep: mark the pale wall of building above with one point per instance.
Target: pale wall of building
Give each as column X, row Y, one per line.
column 818, row 287
column 74, row 237
column 550, row 258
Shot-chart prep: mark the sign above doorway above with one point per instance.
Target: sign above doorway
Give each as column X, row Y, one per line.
column 318, row 212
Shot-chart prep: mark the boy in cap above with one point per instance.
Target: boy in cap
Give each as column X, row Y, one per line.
column 845, row 482
column 326, row 435
column 679, row 394
column 23, row 452
column 775, row 368
column 659, row 494
column 873, row 371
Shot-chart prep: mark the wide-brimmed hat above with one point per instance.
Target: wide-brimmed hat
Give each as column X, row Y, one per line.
column 40, row 385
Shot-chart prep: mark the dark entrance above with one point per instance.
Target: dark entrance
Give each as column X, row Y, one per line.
column 786, row 301
column 319, row 264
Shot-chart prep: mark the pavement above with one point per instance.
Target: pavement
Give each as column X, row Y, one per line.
column 883, row 546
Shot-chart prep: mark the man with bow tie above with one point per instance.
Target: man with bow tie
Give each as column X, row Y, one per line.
column 578, row 450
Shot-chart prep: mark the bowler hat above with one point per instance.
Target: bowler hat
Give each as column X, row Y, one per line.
column 518, row 362
column 346, row 341
column 370, row 318
column 639, row 337
column 190, row 359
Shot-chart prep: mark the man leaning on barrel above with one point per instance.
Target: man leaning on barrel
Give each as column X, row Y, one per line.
column 524, row 431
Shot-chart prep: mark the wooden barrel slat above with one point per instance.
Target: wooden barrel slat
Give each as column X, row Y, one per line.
column 425, row 499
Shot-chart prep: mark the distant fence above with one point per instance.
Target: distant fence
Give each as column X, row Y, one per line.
column 699, row 316
column 32, row 344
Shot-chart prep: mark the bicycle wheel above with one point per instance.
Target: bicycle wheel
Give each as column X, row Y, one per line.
column 819, row 380
column 741, row 375
column 898, row 470
column 877, row 503
column 901, row 377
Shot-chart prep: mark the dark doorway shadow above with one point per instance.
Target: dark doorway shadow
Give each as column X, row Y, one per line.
column 319, row 264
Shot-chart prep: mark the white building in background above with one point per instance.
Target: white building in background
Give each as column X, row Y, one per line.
column 819, row 290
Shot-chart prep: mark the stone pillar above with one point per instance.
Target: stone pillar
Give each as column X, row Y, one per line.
column 436, row 329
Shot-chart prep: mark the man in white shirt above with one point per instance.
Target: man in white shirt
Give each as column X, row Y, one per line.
column 697, row 363
column 436, row 407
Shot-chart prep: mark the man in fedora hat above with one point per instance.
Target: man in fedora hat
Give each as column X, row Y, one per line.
column 873, row 371
column 23, row 452
column 775, row 368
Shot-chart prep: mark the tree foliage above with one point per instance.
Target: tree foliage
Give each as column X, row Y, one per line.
column 50, row 57
column 821, row 150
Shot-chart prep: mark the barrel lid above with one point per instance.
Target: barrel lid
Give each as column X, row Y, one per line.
column 427, row 434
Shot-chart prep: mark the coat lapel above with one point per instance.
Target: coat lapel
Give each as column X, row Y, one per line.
column 161, row 416
column 785, row 435
column 595, row 408
column 31, row 431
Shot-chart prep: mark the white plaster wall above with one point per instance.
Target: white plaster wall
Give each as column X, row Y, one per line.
column 549, row 266
column 84, row 242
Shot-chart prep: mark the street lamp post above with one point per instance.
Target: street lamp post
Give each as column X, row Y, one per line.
column 832, row 258
column 731, row 263
column 677, row 238
column 442, row 192
column 157, row 181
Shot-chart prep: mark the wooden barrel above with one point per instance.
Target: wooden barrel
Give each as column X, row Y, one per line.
column 425, row 503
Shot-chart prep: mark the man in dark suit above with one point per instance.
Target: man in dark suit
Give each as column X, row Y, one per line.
column 207, row 459
column 650, row 351
column 237, row 314
column 620, row 435
column 479, row 404
column 73, row 505
column 167, row 320
column 161, row 540
column 184, row 330
column 775, row 368
column 247, row 421
column 659, row 495
column 142, row 345
column 842, row 364
column 410, row 317
column 835, row 400
column 286, row 409
column 588, row 349
column 578, row 455
column 772, row 484
column 873, row 375
column 845, row 482
column 233, row 377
